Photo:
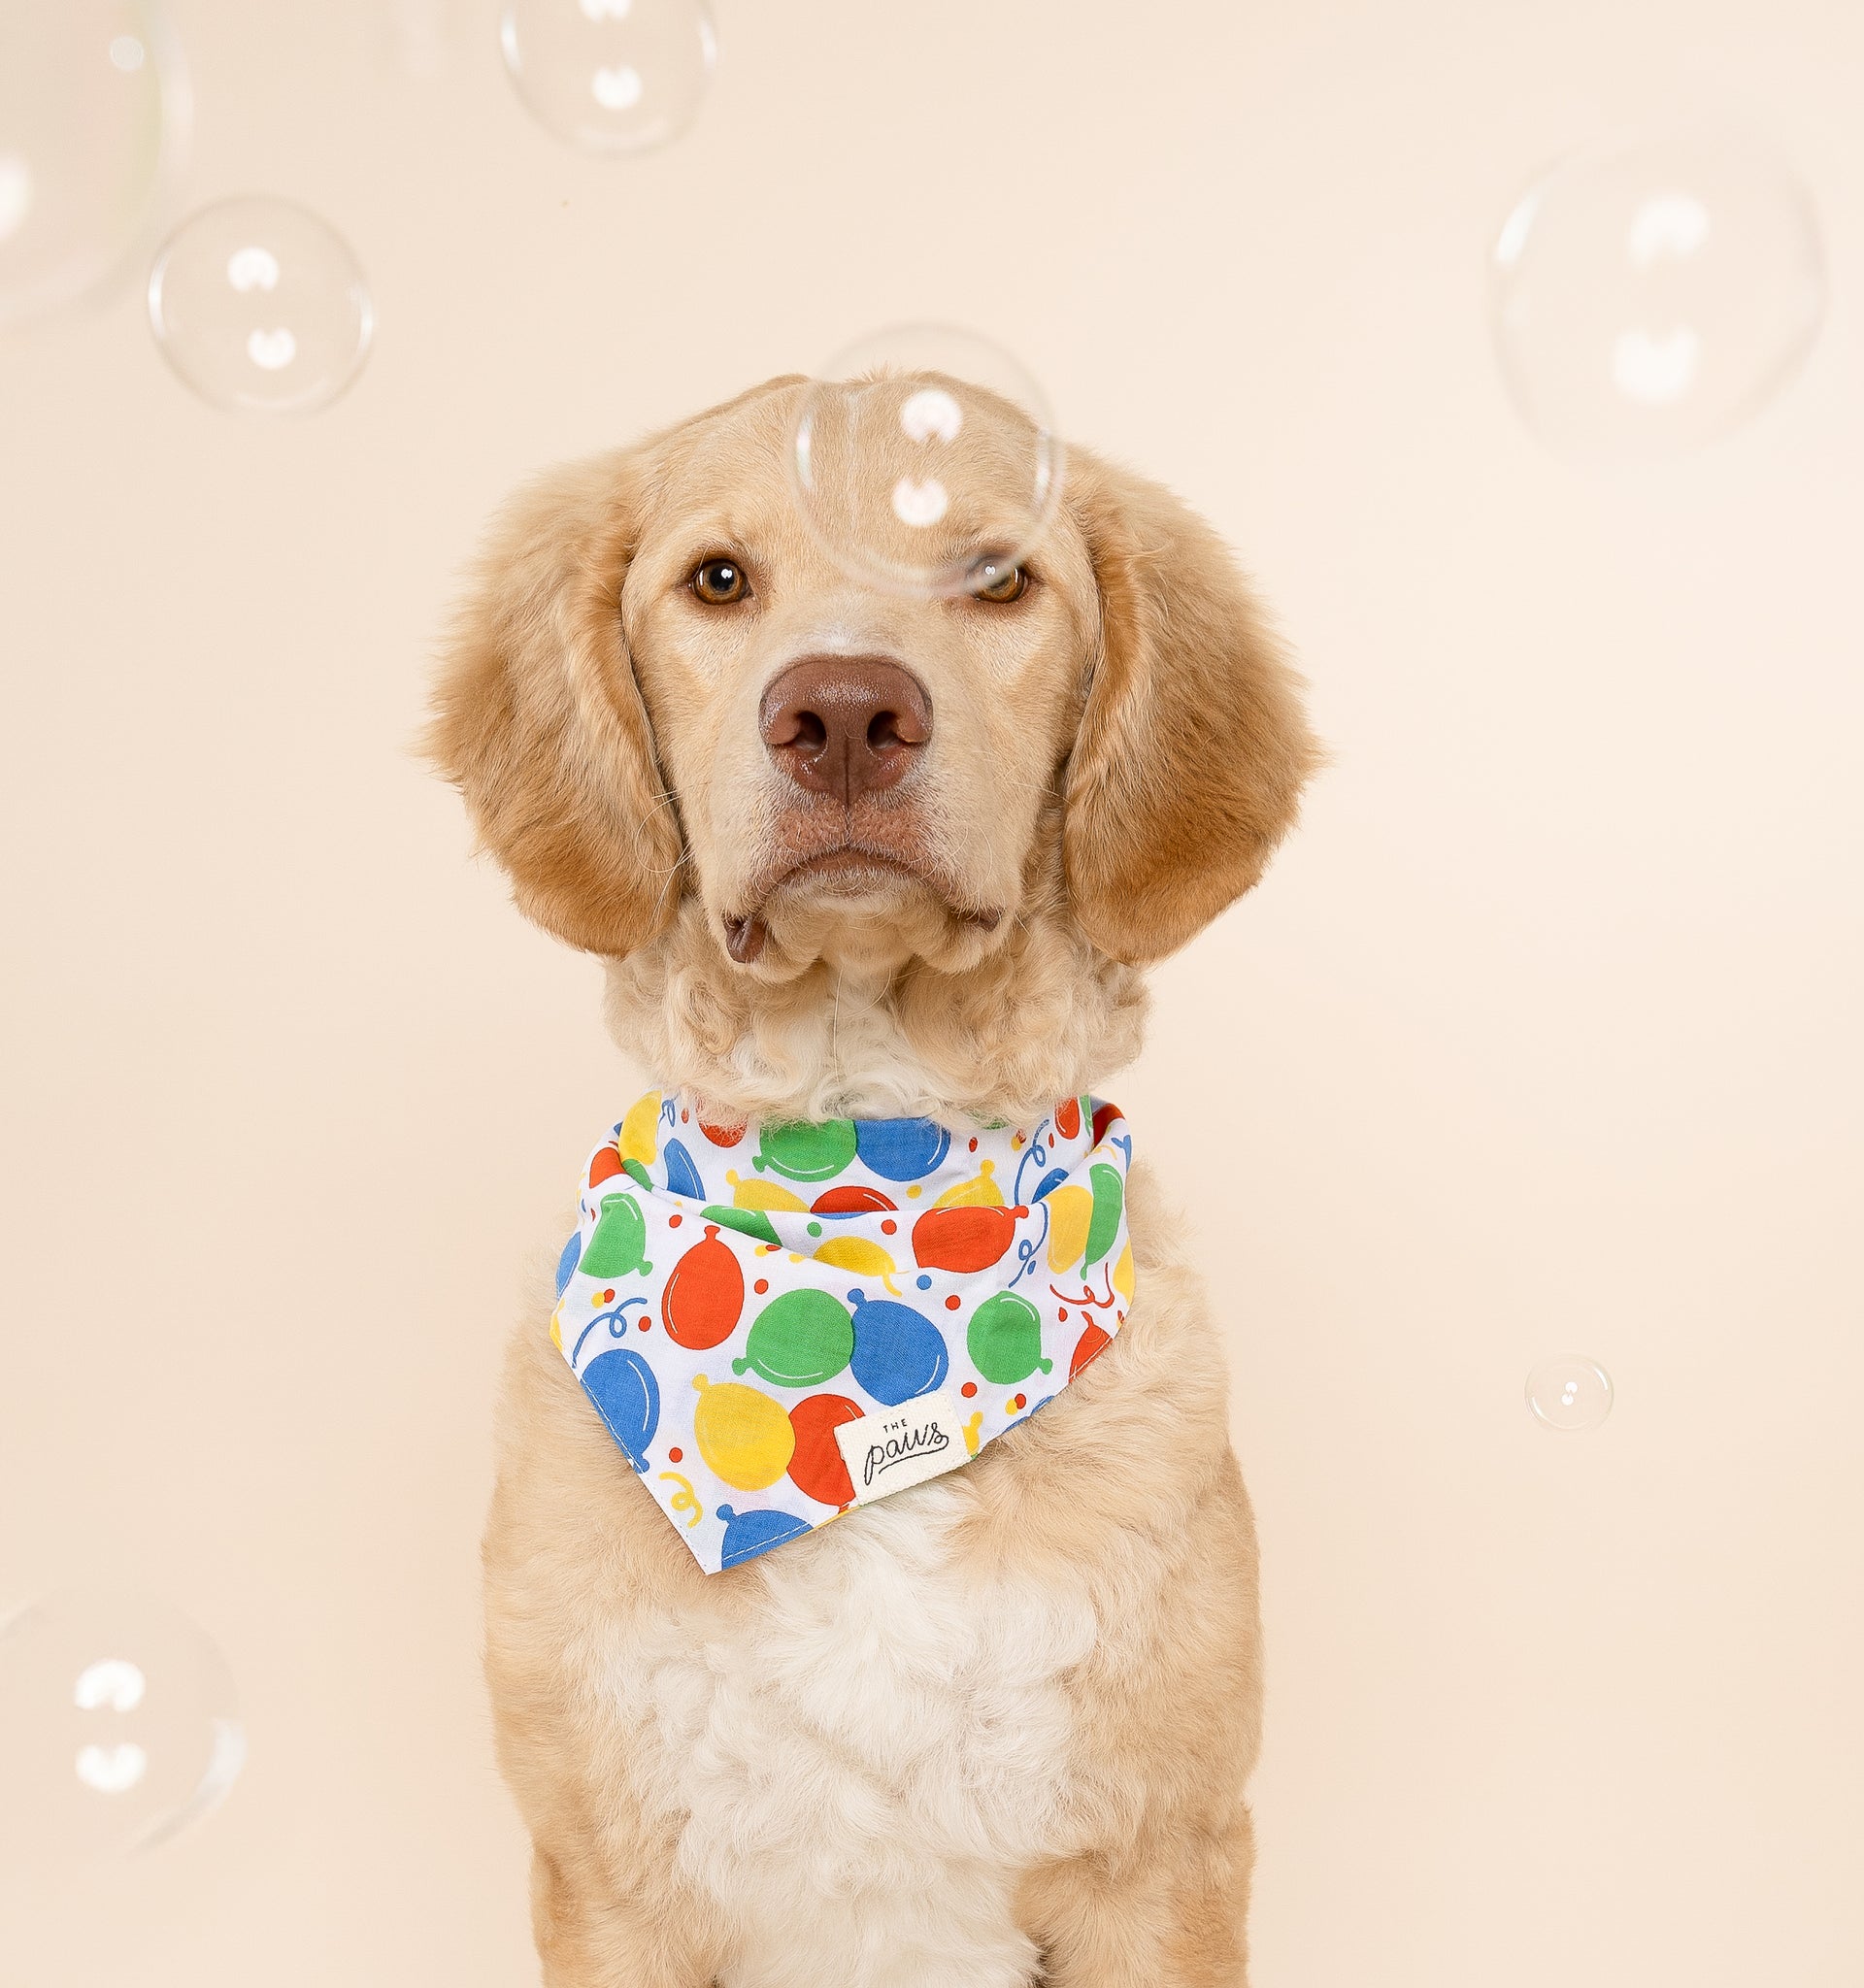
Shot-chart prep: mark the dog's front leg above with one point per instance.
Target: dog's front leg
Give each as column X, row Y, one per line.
column 1168, row 1911
column 590, row 1935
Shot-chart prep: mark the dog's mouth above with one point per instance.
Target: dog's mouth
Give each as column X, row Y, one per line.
column 848, row 870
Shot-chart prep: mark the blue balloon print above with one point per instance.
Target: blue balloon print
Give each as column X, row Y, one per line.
column 898, row 1353
column 566, row 1263
column 682, row 1177
column 627, row 1397
column 901, row 1148
column 748, row 1534
column 1050, row 1180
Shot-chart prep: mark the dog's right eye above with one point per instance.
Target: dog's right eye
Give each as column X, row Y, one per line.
column 718, row 581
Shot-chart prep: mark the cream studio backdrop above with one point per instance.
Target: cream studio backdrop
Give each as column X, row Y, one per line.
column 1538, row 1044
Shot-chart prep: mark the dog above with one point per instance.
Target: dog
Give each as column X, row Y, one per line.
column 847, row 851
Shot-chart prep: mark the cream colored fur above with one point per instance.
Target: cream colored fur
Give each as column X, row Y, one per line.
column 997, row 1729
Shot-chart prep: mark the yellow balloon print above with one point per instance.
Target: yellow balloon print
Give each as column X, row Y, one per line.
column 640, row 1128
column 859, row 1253
column 743, row 1435
column 556, row 1328
column 685, row 1499
column 983, row 1192
column 974, row 1432
column 1070, row 1211
column 763, row 1194
column 1123, row 1274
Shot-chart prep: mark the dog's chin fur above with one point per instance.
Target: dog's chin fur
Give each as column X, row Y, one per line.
column 855, row 1009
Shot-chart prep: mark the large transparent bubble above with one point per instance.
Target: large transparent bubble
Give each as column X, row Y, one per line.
column 610, row 76
column 1651, row 297
column 261, row 306
column 94, row 111
column 924, row 459
column 118, row 1727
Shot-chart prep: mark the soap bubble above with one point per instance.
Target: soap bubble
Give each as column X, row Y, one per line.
column 1570, row 1393
column 259, row 305
column 924, row 459
column 118, row 1727
column 93, row 109
column 610, row 74
column 1649, row 298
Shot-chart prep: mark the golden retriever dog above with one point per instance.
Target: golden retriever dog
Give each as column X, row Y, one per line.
column 852, row 851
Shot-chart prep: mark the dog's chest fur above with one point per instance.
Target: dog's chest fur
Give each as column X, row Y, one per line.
column 860, row 1766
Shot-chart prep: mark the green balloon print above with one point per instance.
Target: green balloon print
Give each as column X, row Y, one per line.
column 620, row 1244
column 1004, row 1339
column 1108, row 1196
column 636, row 1171
column 747, row 1221
column 799, row 1339
column 802, row 1151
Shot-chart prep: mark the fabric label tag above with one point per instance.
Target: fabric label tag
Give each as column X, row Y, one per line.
column 894, row 1448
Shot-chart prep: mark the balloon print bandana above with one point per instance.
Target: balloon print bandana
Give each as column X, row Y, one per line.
column 777, row 1321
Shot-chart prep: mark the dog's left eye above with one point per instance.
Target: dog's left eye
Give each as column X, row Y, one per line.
column 998, row 580
column 718, row 581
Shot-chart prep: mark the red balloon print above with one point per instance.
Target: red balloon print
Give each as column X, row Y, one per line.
column 606, row 1164
column 962, row 1238
column 816, row 1468
column 1104, row 1116
column 1090, row 1346
column 1068, row 1118
column 722, row 1134
column 853, row 1200
column 704, row 1295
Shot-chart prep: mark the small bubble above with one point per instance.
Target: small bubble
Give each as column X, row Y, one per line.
column 610, row 76
column 259, row 305
column 119, row 1724
column 1571, row 1393
column 1650, row 297
column 923, row 459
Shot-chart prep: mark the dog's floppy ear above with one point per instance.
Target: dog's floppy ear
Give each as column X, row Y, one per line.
column 539, row 722
column 1192, row 747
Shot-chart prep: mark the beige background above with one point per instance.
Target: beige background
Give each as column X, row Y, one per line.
column 1541, row 1038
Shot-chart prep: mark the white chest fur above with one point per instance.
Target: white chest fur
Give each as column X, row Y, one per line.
column 861, row 1770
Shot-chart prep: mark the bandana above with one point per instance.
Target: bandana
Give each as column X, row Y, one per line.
column 779, row 1321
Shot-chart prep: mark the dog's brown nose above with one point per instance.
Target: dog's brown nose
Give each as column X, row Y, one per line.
column 845, row 725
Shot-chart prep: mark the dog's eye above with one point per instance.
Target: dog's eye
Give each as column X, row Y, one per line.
column 718, row 581
column 998, row 580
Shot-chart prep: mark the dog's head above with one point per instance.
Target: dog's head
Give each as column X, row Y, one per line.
column 664, row 700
